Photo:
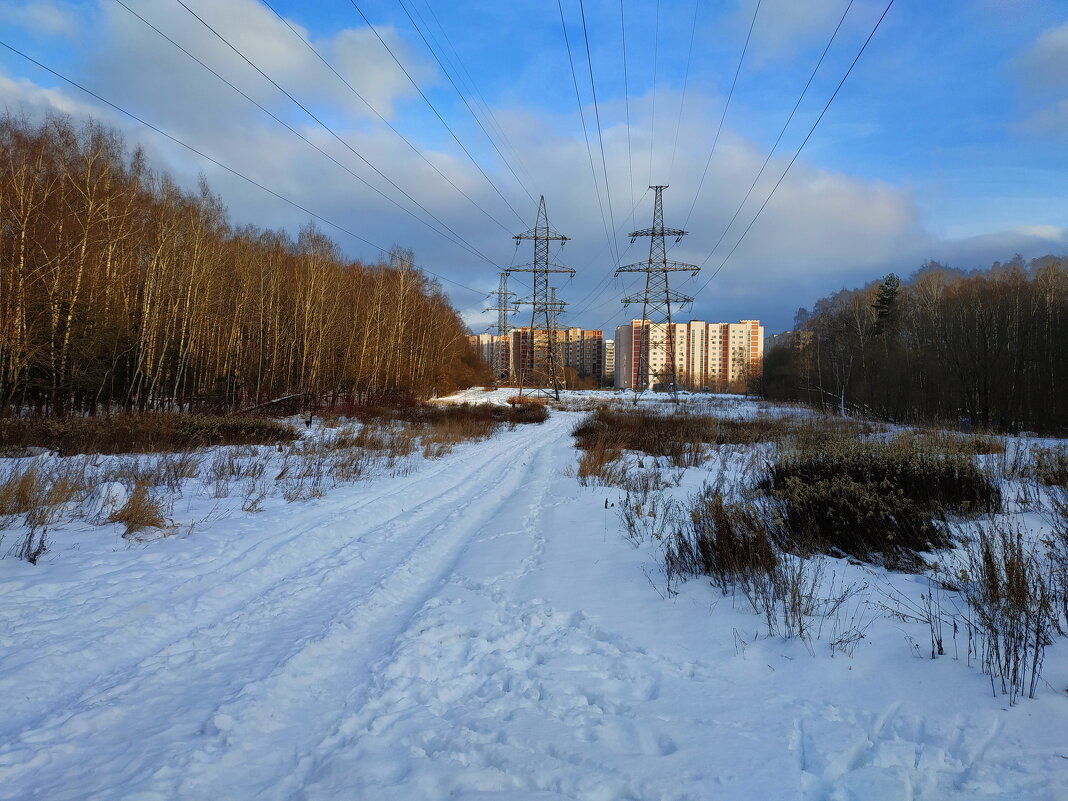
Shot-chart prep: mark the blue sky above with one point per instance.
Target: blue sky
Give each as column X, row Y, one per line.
column 948, row 141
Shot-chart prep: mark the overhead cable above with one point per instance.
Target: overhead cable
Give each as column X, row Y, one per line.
column 723, row 116
column 452, row 236
column 799, row 149
column 322, row 124
column 381, row 117
column 220, row 164
column 433, row 108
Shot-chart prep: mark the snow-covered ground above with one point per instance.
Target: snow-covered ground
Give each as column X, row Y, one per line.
column 477, row 628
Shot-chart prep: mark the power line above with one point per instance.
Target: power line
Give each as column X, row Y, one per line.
column 454, row 238
column 464, row 99
column 626, row 96
column 594, row 293
column 685, row 83
column 600, row 137
column 786, row 125
column 473, row 86
column 437, row 114
column 327, row 128
column 381, row 117
column 219, row 164
column 723, row 116
column 582, row 118
column 799, row 149
column 652, row 115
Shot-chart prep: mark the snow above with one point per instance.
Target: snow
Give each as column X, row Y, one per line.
column 473, row 627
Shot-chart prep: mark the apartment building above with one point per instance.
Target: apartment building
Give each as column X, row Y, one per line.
column 713, row 355
column 581, row 350
column 489, row 347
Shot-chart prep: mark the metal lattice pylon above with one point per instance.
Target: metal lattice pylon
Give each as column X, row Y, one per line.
column 504, row 308
column 544, row 368
column 658, row 297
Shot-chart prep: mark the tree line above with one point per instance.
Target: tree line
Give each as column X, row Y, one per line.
column 984, row 348
column 119, row 290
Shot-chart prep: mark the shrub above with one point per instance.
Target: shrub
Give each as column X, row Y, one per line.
column 875, row 500
column 844, row 516
column 935, row 481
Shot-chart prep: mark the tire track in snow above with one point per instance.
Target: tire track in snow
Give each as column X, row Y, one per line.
column 344, row 686
column 213, row 590
column 277, row 642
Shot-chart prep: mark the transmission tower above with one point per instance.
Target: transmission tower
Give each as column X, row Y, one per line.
column 504, row 308
column 657, row 298
column 545, row 365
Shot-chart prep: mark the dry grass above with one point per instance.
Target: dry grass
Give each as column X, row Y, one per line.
column 141, row 511
column 600, row 464
column 527, row 400
column 40, row 491
column 21, row 490
column 139, row 433
column 1013, row 612
column 729, row 542
column 42, row 495
column 685, row 439
column 948, row 442
column 734, row 544
column 1048, row 466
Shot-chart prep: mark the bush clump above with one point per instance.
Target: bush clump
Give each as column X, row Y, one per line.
column 881, row 500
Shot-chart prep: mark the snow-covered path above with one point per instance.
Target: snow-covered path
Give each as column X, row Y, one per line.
column 475, row 630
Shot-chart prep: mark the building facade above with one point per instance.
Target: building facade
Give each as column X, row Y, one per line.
column 608, row 359
column 580, row 350
column 717, row 356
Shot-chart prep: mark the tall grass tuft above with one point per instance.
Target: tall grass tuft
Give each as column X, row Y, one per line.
column 141, row 511
column 729, row 542
column 1049, row 466
column 1011, row 597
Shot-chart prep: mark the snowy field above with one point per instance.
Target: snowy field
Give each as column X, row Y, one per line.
column 476, row 627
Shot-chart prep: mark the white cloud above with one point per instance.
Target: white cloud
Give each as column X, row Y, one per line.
column 1049, row 121
column 1044, row 65
column 783, row 26
column 1042, row 69
column 42, row 17
column 137, row 64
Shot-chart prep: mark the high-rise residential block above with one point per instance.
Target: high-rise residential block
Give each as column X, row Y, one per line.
column 718, row 356
column 580, row 350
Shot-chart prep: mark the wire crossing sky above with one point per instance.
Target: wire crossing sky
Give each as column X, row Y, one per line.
column 433, row 125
